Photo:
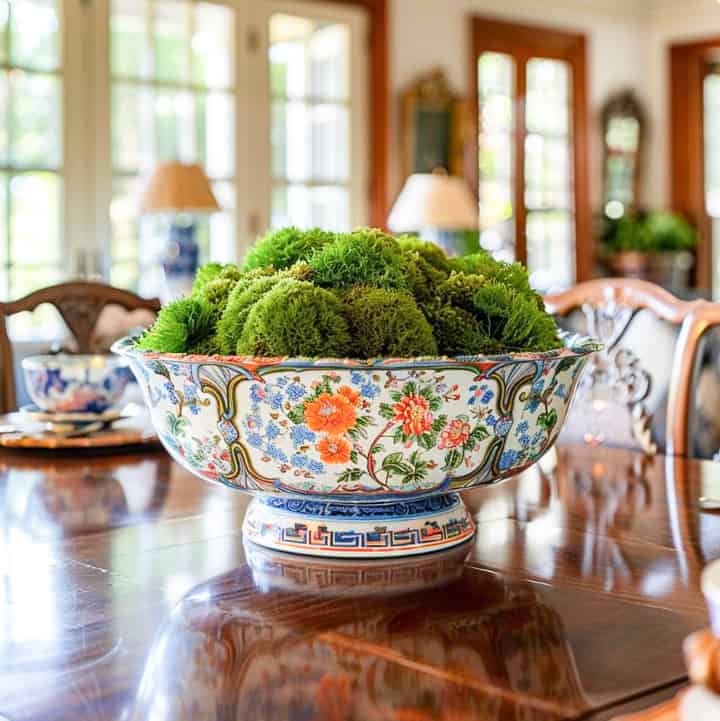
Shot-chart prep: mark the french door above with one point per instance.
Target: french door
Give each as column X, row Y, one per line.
column 695, row 150
column 532, row 149
column 313, row 96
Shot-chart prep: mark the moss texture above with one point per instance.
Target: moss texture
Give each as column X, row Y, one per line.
column 216, row 292
column 183, row 326
column 423, row 278
column 363, row 257
column 242, row 299
column 204, row 275
column 387, row 323
column 295, row 318
column 514, row 319
column 282, row 248
column 459, row 332
column 362, row 294
column 430, row 252
column 513, row 275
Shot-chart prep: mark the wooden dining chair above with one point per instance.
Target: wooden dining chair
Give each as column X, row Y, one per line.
column 637, row 373
column 80, row 305
column 693, row 402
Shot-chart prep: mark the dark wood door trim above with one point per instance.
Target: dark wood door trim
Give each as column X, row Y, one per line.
column 687, row 146
column 524, row 41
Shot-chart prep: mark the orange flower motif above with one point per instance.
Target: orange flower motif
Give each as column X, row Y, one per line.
column 414, row 413
column 455, row 434
column 350, row 393
column 333, row 414
column 334, row 449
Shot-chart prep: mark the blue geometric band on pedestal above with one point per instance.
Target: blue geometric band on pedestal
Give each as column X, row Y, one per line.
column 372, row 534
column 362, row 511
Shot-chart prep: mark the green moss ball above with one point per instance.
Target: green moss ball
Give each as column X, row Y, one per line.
column 282, row 248
column 245, row 293
column 459, row 332
column 432, row 253
column 181, row 327
column 387, row 323
column 231, row 272
column 459, row 290
column 514, row 319
column 216, row 293
column 242, row 299
column 295, row 318
column 363, row 257
column 210, row 272
column 423, row 278
column 363, row 294
column 514, row 275
column 205, row 273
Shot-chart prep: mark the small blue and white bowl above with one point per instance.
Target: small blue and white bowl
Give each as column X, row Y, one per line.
column 75, row 383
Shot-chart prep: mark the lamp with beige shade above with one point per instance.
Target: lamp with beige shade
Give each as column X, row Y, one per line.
column 181, row 191
column 438, row 206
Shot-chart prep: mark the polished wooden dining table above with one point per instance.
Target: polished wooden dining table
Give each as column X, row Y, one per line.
column 127, row 593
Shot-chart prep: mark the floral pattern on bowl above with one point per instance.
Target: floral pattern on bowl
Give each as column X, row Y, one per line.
column 75, row 383
column 356, row 429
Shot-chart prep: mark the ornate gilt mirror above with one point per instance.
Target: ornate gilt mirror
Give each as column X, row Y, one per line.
column 623, row 122
column 434, row 126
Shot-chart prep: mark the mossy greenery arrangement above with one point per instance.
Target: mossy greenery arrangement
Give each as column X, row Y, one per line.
column 363, row 294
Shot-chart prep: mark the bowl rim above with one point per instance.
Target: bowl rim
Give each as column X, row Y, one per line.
column 110, row 361
column 575, row 345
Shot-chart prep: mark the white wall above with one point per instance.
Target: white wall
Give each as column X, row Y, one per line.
column 426, row 33
column 627, row 47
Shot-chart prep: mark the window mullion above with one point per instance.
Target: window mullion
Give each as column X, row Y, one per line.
column 98, row 189
column 75, row 153
column 520, row 132
column 254, row 109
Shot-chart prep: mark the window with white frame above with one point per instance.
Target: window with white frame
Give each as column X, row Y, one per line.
column 172, row 98
column 270, row 98
column 31, row 147
column 311, row 121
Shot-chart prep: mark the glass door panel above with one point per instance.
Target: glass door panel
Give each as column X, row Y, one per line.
column 548, row 174
column 311, row 133
column 496, row 88
column 173, row 98
column 31, row 151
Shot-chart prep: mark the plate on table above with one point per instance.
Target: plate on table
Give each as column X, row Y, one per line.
column 34, row 413
column 137, row 430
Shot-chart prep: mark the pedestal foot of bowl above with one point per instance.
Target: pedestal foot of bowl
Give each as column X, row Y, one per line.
column 358, row 530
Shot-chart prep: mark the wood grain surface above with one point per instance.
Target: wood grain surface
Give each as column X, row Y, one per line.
column 127, row 593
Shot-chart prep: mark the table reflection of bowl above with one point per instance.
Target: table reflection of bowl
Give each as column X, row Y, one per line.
column 358, row 458
column 309, row 648
column 279, row 571
column 75, row 383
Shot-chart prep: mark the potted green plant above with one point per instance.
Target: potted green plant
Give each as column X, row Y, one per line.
column 653, row 245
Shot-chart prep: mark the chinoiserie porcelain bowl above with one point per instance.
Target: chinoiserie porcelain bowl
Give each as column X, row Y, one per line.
column 75, row 383
column 358, row 458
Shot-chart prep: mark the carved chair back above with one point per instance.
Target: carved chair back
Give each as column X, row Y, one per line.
column 622, row 395
column 80, row 305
